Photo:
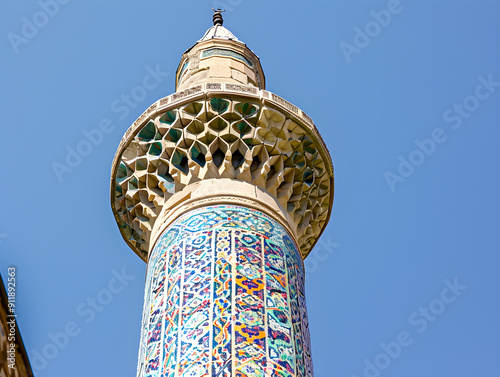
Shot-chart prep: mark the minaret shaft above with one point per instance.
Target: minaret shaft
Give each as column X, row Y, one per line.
column 225, row 297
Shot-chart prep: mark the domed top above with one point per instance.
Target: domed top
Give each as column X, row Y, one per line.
column 219, row 32
column 219, row 57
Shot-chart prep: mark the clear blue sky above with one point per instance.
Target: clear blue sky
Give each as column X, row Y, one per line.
column 410, row 218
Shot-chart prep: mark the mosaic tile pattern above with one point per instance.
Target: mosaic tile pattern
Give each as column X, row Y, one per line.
column 225, row 297
column 225, row 52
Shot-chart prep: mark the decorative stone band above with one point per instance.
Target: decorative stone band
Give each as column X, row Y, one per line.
column 219, row 60
column 225, row 191
column 222, row 130
column 225, row 297
column 225, row 52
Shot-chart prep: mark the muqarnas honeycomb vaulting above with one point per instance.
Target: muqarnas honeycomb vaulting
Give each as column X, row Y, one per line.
column 223, row 188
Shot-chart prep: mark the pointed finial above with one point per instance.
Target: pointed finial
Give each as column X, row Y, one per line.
column 218, row 16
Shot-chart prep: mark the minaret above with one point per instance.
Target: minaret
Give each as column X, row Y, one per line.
column 223, row 188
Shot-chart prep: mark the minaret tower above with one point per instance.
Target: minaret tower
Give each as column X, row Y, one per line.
column 223, row 188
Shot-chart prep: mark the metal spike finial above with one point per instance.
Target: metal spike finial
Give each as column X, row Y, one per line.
column 218, row 16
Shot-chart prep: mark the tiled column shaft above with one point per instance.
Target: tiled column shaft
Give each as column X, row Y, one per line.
column 225, row 297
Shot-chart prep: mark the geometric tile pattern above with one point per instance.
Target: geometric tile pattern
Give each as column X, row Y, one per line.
column 225, row 297
column 222, row 137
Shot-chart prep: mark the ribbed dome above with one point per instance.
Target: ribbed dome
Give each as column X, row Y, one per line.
column 219, row 32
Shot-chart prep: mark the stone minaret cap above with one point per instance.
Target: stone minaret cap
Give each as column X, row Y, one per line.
column 221, row 139
column 219, row 56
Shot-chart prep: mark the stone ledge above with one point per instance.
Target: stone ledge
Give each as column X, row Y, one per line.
column 138, row 209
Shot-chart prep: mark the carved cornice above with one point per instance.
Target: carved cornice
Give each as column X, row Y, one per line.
column 221, row 130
